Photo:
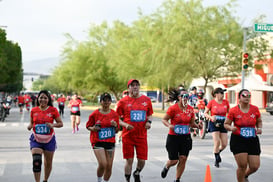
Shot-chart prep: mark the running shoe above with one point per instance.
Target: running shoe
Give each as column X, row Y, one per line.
column 137, row 177
column 246, row 179
column 73, row 131
column 164, row 172
column 219, row 158
column 178, row 180
column 216, row 164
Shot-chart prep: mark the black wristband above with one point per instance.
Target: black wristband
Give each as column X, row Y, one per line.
column 149, row 121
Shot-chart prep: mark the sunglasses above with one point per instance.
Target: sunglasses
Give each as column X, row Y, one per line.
column 184, row 96
column 246, row 95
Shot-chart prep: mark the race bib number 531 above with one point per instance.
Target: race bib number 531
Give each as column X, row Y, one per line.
column 248, row 132
column 138, row 115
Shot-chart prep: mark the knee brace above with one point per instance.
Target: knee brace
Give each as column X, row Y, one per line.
column 37, row 162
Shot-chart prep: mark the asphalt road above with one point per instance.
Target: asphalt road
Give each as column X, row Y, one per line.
column 74, row 160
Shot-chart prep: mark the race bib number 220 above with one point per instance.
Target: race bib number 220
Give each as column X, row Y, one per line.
column 106, row 133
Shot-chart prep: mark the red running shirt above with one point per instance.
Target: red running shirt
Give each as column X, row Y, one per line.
column 61, row 101
column 135, row 112
column 179, row 117
column 75, row 105
column 21, row 100
column 241, row 119
column 105, row 121
column 218, row 109
column 201, row 104
column 41, row 117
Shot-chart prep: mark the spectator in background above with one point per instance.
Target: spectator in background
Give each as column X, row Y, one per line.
column 193, row 97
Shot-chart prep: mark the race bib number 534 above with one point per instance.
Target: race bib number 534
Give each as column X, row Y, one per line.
column 138, row 115
column 42, row 129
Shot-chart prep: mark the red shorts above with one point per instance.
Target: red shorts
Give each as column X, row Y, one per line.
column 141, row 145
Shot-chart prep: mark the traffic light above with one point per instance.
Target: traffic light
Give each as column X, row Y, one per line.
column 245, row 61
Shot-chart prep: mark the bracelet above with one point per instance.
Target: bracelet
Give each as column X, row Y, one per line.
column 149, row 121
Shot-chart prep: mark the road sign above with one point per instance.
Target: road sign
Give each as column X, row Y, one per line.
column 263, row 27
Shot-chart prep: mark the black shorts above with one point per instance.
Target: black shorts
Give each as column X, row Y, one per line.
column 239, row 144
column 21, row 104
column 61, row 106
column 78, row 113
column 104, row 145
column 178, row 145
column 213, row 128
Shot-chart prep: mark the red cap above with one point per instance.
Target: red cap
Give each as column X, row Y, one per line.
column 130, row 81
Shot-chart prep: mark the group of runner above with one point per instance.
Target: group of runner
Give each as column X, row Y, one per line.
column 134, row 115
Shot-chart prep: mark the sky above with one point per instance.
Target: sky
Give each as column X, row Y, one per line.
column 38, row 26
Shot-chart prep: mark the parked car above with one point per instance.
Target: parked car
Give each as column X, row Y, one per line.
column 269, row 108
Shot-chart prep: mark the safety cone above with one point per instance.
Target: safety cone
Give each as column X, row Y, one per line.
column 208, row 175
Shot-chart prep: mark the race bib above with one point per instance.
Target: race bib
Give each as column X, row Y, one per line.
column 181, row 129
column 106, row 133
column 138, row 115
column 247, row 132
column 75, row 109
column 42, row 129
column 61, row 103
column 220, row 118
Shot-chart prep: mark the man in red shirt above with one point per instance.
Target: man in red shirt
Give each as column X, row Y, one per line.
column 135, row 112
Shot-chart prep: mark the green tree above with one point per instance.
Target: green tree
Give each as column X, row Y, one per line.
column 11, row 79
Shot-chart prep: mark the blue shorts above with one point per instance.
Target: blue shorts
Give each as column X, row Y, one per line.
column 213, row 128
column 50, row 146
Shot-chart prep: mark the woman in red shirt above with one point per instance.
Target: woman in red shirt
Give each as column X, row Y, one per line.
column 244, row 142
column 75, row 103
column 42, row 140
column 218, row 108
column 103, row 124
column 179, row 142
